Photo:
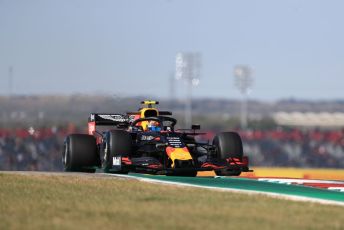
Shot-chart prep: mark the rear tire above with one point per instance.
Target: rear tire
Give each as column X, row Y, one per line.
column 80, row 153
column 228, row 144
column 118, row 143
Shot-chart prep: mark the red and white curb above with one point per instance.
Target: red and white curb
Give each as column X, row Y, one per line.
column 325, row 184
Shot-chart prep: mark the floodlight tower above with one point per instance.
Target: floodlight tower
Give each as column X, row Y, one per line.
column 243, row 81
column 188, row 66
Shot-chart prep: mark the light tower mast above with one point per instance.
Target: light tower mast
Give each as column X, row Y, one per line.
column 188, row 68
column 243, row 81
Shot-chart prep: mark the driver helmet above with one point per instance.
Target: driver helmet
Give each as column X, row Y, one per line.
column 154, row 126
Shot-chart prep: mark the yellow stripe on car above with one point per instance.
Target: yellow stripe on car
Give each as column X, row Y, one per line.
column 178, row 154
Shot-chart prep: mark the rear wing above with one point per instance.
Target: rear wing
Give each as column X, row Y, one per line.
column 106, row 119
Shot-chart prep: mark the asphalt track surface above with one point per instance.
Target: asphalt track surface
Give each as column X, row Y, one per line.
column 235, row 184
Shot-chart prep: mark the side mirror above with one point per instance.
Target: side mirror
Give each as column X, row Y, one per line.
column 196, row 127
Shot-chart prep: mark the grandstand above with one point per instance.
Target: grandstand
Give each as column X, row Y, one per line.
column 310, row 119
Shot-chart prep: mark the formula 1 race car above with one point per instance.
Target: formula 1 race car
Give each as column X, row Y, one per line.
column 146, row 142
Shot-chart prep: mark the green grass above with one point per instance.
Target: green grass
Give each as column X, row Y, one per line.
column 74, row 202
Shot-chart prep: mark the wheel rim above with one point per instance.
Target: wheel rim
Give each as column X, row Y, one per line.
column 217, row 148
column 65, row 157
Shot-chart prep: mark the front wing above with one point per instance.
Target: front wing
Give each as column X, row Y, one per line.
column 152, row 165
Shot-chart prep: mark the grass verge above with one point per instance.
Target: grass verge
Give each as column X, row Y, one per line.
column 83, row 202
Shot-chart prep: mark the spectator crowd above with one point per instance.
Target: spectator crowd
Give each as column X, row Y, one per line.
column 29, row 149
column 295, row 148
column 35, row 150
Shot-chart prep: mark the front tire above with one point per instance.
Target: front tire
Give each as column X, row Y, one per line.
column 228, row 144
column 80, row 153
column 118, row 143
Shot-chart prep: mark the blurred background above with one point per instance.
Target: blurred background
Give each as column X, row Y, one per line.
column 273, row 71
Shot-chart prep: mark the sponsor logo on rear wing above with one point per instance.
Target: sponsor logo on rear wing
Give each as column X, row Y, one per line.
column 109, row 119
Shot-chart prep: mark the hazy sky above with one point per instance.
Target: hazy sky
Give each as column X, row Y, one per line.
column 128, row 47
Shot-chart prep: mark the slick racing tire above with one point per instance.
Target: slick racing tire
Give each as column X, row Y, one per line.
column 228, row 144
column 118, row 143
column 80, row 153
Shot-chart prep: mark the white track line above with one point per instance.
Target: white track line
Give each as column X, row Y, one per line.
column 340, row 189
column 303, row 181
column 299, row 181
column 250, row 192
